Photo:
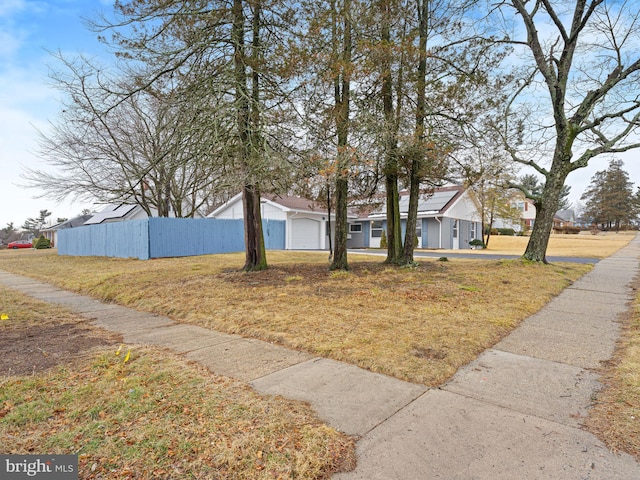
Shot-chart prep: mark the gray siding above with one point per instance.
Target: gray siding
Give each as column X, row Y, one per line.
column 359, row 239
column 433, row 233
column 465, row 228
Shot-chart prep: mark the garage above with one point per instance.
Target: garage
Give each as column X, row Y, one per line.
column 305, row 234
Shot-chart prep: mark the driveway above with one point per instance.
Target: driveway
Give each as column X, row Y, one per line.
column 477, row 256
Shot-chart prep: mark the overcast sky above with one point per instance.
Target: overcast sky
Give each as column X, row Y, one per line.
column 29, row 30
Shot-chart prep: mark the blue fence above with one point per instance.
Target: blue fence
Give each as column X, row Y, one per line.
column 164, row 237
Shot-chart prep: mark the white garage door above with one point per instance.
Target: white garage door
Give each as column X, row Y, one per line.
column 305, row 234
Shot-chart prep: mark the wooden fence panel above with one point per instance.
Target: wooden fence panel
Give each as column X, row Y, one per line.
column 164, row 237
column 274, row 232
column 183, row 237
column 117, row 239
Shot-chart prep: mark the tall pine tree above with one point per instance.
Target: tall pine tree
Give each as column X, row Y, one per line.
column 609, row 199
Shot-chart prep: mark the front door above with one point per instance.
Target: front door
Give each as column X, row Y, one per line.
column 456, row 236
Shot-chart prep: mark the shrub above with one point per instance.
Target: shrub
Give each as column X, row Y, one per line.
column 506, row 231
column 567, row 230
column 42, row 243
column 383, row 240
column 476, row 242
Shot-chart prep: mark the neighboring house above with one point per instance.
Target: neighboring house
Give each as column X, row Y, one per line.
column 121, row 213
column 564, row 218
column 526, row 219
column 527, row 213
column 306, row 221
column 448, row 218
column 52, row 232
column 564, row 221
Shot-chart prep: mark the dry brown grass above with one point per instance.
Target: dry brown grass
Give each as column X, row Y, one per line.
column 416, row 324
column 150, row 415
column 615, row 417
column 584, row 245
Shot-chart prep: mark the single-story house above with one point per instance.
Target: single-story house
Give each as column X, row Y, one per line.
column 52, row 232
column 306, row 221
column 448, row 218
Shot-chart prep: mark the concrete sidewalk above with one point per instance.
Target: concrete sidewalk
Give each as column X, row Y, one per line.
column 513, row 413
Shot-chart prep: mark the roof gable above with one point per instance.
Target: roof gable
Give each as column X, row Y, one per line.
column 299, row 204
column 119, row 212
column 72, row 223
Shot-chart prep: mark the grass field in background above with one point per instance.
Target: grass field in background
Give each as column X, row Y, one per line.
column 584, row 245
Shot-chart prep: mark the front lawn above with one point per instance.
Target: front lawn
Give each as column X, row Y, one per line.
column 133, row 412
column 417, row 324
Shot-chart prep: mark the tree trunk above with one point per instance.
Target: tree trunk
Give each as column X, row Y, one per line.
column 546, row 209
column 329, row 221
column 394, row 227
column 412, row 219
column 340, row 251
column 342, row 87
column 255, row 255
column 419, row 134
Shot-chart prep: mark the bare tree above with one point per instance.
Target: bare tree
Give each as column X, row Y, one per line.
column 580, row 87
column 488, row 174
column 226, row 60
column 143, row 148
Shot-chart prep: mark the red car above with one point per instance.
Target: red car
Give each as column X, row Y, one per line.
column 20, row 244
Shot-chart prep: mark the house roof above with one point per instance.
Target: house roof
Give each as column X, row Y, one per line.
column 286, row 203
column 435, row 203
column 297, row 203
column 566, row 215
column 110, row 213
column 72, row 223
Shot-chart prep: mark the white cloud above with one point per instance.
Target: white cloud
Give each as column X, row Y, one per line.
column 9, row 7
column 10, row 43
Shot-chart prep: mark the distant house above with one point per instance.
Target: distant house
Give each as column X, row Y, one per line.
column 52, row 232
column 526, row 218
column 564, row 221
column 528, row 213
column 306, row 221
column 121, row 213
column 564, row 218
column 117, row 213
column 448, row 218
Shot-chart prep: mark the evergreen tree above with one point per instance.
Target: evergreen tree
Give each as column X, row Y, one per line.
column 609, row 199
column 34, row 225
column 8, row 233
column 532, row 187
